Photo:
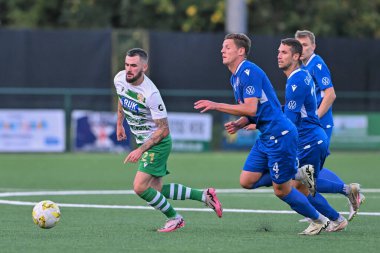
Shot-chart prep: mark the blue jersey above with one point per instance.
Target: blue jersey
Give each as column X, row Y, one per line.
column 322, row 79
column 301, row 108
column 250, row 81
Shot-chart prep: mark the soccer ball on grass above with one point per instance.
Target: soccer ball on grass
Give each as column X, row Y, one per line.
column 46, row 214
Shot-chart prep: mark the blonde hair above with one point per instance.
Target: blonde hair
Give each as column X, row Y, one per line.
column 305, row 33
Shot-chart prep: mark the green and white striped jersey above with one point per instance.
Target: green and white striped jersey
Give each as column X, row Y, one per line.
column 141, row 105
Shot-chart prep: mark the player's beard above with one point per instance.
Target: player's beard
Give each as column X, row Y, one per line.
column 135, row 78
column 285, row 67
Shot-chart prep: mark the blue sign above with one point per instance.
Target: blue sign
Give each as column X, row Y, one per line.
column 96, row 131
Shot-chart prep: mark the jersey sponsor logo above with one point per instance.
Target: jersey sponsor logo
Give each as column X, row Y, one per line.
column 250, row 90
column 130, row 105
column 325, row 80
column 160, row 107
column 319, row 66
column 247, row 71
column 292, row 105
column 294, row 87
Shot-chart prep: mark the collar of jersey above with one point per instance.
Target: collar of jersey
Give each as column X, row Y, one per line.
column 238, row 68
column 311, row 58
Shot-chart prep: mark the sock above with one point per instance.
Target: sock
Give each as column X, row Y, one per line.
column 346, row 189
column 331, row 176
column 158, row 201
column 325, row 173
column 327, row 186
column 265, row 180
column 299, row 203
column 180, row 192
column 322, row 206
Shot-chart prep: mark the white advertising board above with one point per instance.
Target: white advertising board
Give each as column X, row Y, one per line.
column 190, row 131
column 32, row 130
column 190, row 126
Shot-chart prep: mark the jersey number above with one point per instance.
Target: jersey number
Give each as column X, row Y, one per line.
column 148, row 156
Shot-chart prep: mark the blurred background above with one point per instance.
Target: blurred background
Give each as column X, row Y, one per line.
column 58, row 59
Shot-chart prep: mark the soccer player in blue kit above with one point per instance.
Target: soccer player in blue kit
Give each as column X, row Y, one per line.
column 325, row 94
column 276, row 148
column 301, row 108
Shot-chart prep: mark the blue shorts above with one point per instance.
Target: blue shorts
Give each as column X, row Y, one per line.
column 278, row 156
column 328, row 132
column 315, row 154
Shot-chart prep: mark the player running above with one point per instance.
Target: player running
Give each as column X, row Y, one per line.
column 325, row 94
column 275, row 151
column 301, row 108
column 140, row 103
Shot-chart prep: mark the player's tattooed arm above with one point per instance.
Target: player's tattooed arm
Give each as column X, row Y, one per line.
column 120, row 131
column 161, row 132
column 120, row 114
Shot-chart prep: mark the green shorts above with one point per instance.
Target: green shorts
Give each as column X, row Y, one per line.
column 153, row 161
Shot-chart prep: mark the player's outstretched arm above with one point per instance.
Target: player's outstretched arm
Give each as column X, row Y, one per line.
column 248, row 108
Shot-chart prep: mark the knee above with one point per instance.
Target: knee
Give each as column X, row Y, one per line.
column 138, row 189
column 281, row 191
column 245, row 183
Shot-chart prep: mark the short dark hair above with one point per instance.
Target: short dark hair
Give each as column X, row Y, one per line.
column 240, row 40
column 295, row 45
column 138, row 52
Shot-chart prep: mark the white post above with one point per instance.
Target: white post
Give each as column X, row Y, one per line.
column 236, row 16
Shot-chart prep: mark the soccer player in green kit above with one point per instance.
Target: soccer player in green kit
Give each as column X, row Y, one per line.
column 141, row 105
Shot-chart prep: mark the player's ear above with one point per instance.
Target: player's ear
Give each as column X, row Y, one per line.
column 145, row 67
column 296, row 56
column 241, row 51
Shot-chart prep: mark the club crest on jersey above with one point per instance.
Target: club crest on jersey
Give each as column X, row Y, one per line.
column 130, row 105
column 326, row 80
column 292, row 105
column 250, row 90
column 140, row 97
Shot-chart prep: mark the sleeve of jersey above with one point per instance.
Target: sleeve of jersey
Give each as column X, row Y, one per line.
column 294, row 99
column 157, row 106
column 322, row 76
column 118, row 83
column 251, row 84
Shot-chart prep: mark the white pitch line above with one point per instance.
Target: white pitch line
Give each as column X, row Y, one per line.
column 227, row 210
column 131, row 192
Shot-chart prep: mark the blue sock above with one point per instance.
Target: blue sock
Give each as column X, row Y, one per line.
column 325, row 173
column 322, row 206
column 265, row 180
column 299, row 203
column 327, row 186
